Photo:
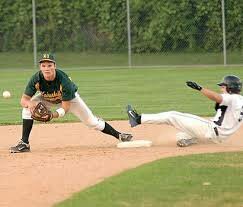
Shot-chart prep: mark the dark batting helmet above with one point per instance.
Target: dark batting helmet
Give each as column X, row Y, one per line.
column 233, row 84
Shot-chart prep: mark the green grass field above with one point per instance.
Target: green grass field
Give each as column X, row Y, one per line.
column 19, row 60
column 211, row 180
column 107, row 92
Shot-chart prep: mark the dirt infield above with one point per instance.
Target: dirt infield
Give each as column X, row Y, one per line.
column 68, row 157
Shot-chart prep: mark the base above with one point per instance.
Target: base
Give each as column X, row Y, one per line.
column 135, row 143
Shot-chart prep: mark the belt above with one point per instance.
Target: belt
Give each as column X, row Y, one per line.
column 216, row 131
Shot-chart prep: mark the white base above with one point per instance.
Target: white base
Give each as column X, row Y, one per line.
column 135, row 143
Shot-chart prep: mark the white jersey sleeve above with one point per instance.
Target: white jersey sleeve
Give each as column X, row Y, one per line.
column 229, row 114
column 227, row 99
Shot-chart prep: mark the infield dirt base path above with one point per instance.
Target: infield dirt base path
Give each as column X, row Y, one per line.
column 66, row 158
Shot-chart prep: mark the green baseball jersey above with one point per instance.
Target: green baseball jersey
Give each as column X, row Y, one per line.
column 60, row 89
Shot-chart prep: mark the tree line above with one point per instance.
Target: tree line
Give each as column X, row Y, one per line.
column 101, row 25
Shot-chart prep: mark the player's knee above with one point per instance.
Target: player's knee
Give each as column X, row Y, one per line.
column 95, row 123
column 182, row 135
column 26, row 114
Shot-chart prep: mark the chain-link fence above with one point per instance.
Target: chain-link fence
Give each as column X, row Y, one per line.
column 121, row 33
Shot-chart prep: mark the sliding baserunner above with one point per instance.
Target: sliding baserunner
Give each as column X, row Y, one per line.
column 228, row 118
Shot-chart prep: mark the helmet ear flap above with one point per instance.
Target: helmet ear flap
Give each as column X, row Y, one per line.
column 227, row 89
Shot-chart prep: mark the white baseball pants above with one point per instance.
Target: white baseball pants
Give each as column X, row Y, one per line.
column 78, row 108
column 191, row 126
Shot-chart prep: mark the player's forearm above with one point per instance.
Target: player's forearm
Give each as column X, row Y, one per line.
column 25, row 101
column 63, row 110
column 212, row 95
column 55, row 114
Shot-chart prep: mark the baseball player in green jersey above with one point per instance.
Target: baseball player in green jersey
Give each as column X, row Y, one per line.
column 53, row 87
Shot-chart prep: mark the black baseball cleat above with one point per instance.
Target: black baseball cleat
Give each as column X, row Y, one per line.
column 134, row 117
column 20, row 147
column 186, row 142
column 125, row 137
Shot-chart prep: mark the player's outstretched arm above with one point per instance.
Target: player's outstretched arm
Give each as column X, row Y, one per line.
column 206, row 92
column 65, row 106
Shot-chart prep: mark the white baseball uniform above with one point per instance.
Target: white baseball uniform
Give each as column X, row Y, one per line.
column 227, row 120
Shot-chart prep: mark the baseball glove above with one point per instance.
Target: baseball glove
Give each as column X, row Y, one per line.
column 194, row 85
column 41, row 113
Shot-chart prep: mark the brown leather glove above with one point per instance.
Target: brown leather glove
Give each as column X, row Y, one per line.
column 41, row 113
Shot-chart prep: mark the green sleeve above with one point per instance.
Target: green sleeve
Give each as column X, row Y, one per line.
column 31, row 87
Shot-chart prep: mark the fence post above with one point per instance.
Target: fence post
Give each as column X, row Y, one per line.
column 34, row 33
column 224, row 35
column 129, row 35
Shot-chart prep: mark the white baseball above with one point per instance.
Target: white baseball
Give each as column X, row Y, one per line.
column 6, row 94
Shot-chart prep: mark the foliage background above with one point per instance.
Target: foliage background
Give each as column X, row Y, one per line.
column 100, row 25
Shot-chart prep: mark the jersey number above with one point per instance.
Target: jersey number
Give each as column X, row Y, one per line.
column 220, row 115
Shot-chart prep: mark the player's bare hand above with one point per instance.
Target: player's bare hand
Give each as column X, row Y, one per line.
column 194, row 85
